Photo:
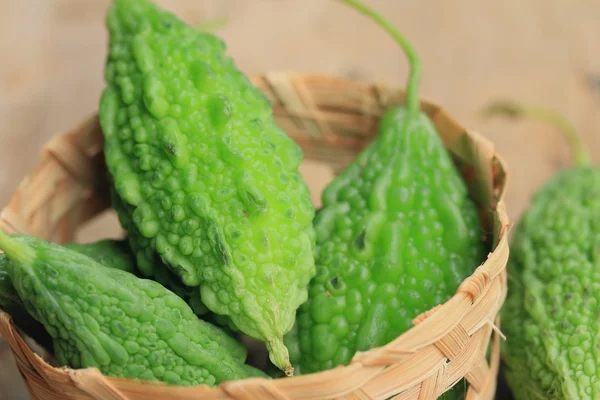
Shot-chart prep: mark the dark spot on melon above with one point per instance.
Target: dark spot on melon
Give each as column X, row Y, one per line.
column 219, row 245
column 334, row 282
column 360, row 240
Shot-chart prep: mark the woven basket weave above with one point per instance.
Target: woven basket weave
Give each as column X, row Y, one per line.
column 332, row 119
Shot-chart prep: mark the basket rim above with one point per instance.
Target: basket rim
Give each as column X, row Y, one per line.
column 498, row 209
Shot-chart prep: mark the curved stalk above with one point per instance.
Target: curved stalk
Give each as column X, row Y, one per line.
column 412, row 87
column 518, row 110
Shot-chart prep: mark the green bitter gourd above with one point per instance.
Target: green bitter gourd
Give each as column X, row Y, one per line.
column 396, row 235
column 550, row 317
column 209, row 179
column 149, row 261
column 12, row 305
column 110, row 254
column 114, row 254
column 110, row 319
column 117, row 254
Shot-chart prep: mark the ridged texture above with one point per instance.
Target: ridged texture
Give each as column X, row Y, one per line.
column 396, row 236
column 210, row 180
column 109, row 319
column 113, row 254
column 551, row 312
column 147, row 260
column 118, row 255
column 11, row 303
column 110, row 254
column 150, row 261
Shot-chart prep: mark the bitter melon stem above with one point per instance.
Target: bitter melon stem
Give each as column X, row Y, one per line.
column 412, row 87
column 519, row 110
column 16, row 250
column 279, row 355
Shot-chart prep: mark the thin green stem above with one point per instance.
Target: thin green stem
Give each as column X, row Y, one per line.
column 412, row 87
column 517, row 110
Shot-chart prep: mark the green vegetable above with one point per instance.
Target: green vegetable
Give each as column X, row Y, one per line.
column 110, row 253
column 396, row 235
column 110, row 319
column 11, row 304
column 117, row 254
column 113, row 254
column 149, row 261
column 550, row 317
column 209, row 179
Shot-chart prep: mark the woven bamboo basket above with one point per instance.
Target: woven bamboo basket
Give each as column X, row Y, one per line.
column 332, row 119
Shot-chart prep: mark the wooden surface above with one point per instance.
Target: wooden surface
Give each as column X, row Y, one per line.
column 538, row 51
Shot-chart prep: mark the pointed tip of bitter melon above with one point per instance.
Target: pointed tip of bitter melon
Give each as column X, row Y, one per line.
column 280, row 356
column 139, row 17
column 16, row 250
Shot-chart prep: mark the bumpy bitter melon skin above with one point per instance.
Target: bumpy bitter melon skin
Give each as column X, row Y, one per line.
column 11, row 303
column 550, row 317
column 212, row 180
column 110, row 254
column 117, row 254
column 149, row 263
column 396, row 235
column 111, row 319
column 147, row 260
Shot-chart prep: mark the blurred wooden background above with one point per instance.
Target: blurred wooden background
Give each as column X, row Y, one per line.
column 539, row 51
